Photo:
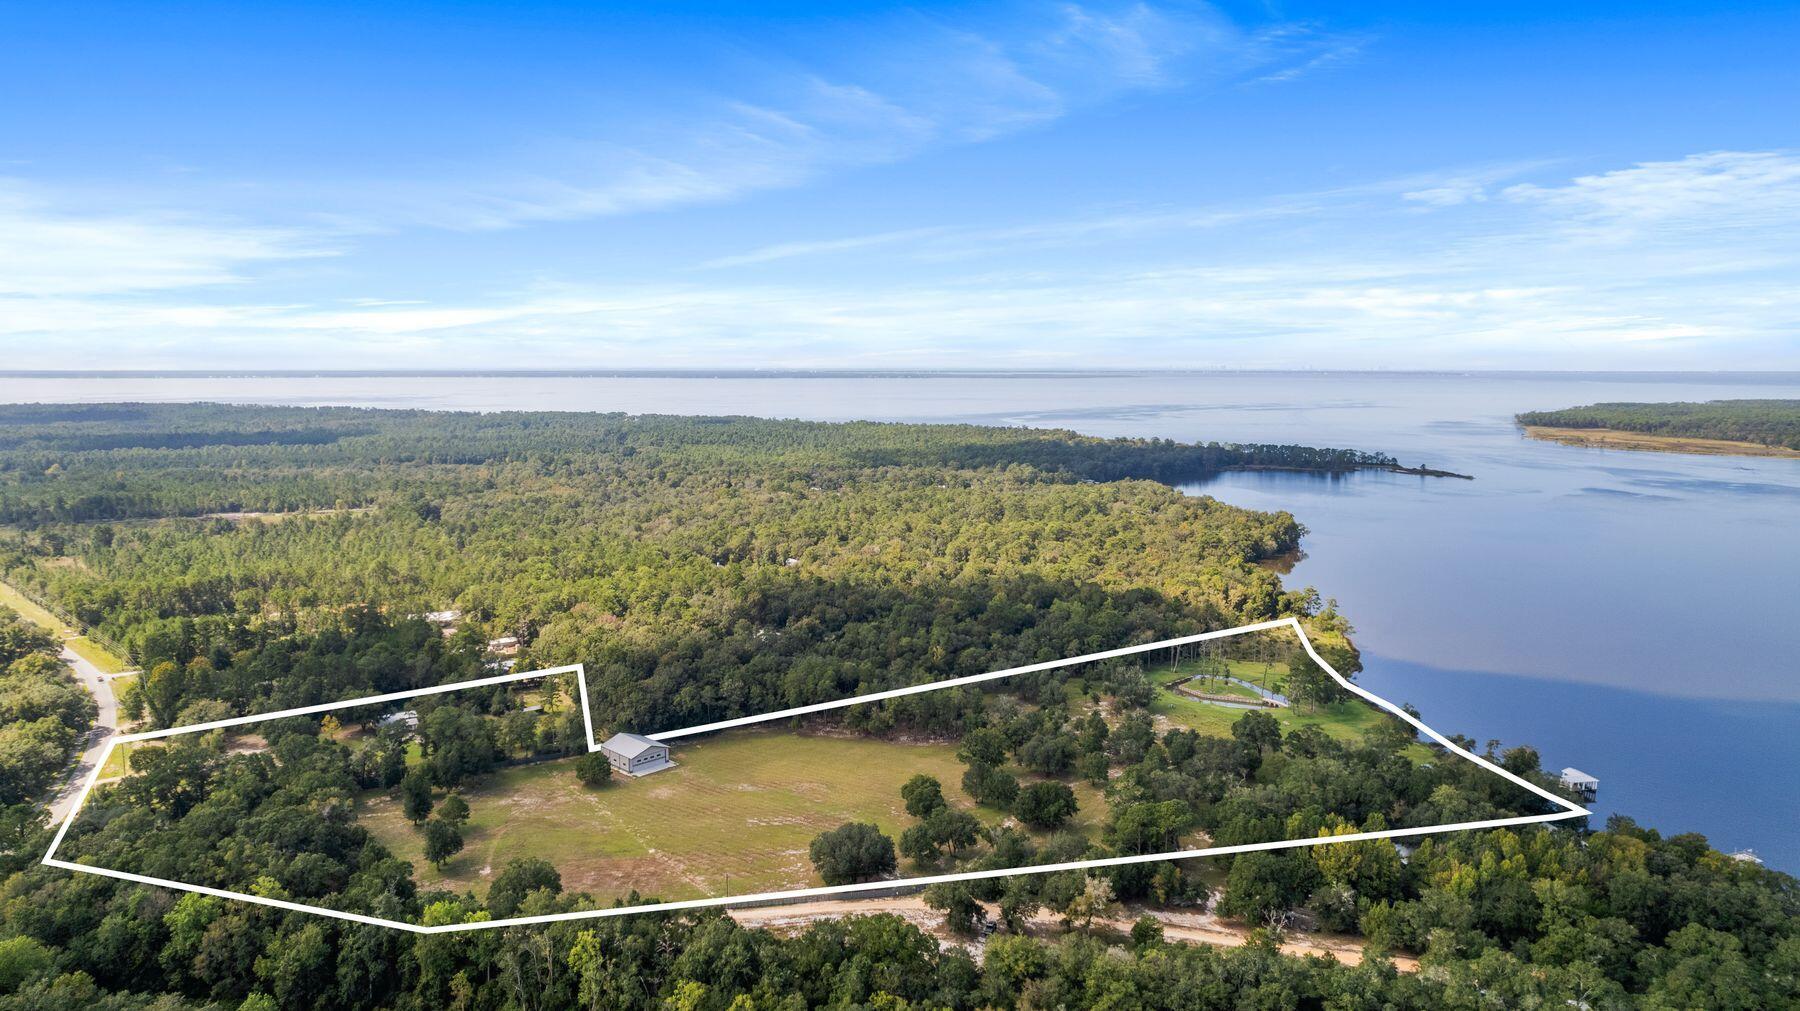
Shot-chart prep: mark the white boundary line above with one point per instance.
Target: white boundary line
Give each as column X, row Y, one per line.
column 238, row 721
column 932, row 686
column 1568, row 808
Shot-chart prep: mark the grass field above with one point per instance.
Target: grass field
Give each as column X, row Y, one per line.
column 116, row 766
column 93, row 653
column 1215, row 686
column 1344, row 721
column 735, row 816
column 31, row 612
column 117, row 685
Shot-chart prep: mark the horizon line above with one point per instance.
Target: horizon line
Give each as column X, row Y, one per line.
column 797, row 372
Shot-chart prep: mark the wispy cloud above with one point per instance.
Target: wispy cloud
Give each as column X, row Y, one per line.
column 1509, row 280
column 792, row 250
column 1449, row 193
column 1304, row 52
column 1715, row 191
column 949, row 242
column 46, row 249
column 953, row 242
column 899, row 89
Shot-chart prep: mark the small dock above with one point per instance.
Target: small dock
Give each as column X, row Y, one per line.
column 1582, row 785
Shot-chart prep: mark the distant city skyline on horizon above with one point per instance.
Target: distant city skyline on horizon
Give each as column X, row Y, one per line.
column 888, row 189
column 1772, row 376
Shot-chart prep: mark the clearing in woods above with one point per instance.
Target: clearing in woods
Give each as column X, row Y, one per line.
column 735, row 815
column 781, row 788
column 1346, row 721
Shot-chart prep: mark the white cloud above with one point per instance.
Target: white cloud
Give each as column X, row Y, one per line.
column 945, row 242
column 1136, row 44
column 791, row 250
column 1352, row 278
column 899, row 90
column 1713, row 191
column 1333, row 53
column 1452, row 193
column 45, row 250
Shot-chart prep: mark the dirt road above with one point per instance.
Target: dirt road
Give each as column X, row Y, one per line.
column 1193, row 928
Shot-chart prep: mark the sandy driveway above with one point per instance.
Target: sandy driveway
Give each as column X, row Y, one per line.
column 1194, row 928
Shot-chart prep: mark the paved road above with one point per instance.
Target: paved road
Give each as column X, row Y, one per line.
column 95, row 743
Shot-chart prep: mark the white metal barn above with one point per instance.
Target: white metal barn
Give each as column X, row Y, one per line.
column 636, row 756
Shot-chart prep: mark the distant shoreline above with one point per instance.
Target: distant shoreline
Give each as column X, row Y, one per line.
column 866, row 373
column 1387, row 468
column 1613, row 438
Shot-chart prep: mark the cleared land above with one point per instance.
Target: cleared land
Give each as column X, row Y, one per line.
column 1255, row 673
column 117, row 684
column 736, row 815
column 1177, row 925
column 100, row 657
column 1345, row 721
column 118, row 761
column 1612, row 438
column 282, row 517
column 32, row 612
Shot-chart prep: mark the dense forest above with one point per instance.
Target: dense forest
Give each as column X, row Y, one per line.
column 82, row 463
column 274, row 814
column 43, row 712
column 1619, row 918
column 704, row 568
column 700, row 567
column 1767, row 422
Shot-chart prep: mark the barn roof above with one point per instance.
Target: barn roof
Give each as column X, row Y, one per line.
column 630, row 745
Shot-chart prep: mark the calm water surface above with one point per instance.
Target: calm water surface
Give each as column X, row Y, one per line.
column 1627, row 613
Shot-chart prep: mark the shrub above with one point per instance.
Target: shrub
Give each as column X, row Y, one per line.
column 454, row 810
column 593, row 770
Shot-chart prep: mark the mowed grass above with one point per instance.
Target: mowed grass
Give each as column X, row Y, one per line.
column 95, row 654
column 117, row 685
column 737, row 815
column 30, row 611
column 1254, row 671
column 117, row 760
column 1219, row 686
column 1345, row 721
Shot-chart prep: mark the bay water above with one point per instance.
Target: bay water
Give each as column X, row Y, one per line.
column 1628, row 613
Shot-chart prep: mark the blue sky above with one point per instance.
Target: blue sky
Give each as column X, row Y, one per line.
column 866, row 186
